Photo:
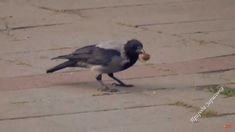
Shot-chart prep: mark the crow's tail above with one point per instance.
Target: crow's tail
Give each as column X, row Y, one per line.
column 68, row 63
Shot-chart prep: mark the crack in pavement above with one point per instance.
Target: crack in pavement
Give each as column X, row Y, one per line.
column 205, row 114
column 105, row 110
column 75, row 11
column 40, row 50
column 180, row 22
column 217, row 71
column 211, row 31
column 218, row 56
column 225, row 114
column 78, row 11
column 95, row 8
column 80, row 112
column 32, row 26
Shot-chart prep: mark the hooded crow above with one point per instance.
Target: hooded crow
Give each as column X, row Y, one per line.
column 104, row 58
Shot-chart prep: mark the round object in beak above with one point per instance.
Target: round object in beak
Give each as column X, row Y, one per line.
column 144, row 56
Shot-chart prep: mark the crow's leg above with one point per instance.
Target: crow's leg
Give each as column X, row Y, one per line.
column 104, row 87
column 120, row 83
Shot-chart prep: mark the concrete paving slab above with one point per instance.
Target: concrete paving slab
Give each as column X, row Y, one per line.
column 116, row 120
column 101, row 111
column 19, row 15
column 36, row 103
column 190, row 27
column 164, row 12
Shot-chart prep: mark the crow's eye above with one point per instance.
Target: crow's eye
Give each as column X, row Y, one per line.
column 134, row 47
column 139, row 47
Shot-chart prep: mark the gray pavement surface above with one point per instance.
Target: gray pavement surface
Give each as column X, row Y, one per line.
column 191, row 43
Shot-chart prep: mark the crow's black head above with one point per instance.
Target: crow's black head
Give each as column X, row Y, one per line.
column 133, row 47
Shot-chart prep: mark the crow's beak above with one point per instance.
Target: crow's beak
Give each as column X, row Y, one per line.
column 141, row 51
column 143, row 56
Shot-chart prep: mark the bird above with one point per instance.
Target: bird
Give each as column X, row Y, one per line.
column 107, row 57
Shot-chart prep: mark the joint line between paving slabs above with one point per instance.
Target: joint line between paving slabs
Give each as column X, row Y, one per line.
column 81, row 112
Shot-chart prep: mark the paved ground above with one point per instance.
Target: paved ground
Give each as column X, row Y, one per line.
column 191, row 43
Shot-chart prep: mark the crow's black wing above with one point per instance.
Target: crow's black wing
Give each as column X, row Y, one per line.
column 81, row 51
column 92, row 55
column 100, row 56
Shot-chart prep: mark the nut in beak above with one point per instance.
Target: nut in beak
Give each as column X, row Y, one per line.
column 143, row 56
